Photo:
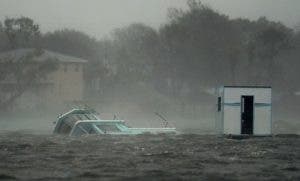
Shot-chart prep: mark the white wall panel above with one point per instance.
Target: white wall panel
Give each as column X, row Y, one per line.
column 230, row 116
column 232, row 125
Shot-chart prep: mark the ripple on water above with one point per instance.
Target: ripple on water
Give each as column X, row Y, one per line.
column 187, row 156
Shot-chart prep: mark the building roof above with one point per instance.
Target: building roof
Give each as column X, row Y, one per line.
column 247, row 86
column 17, row 54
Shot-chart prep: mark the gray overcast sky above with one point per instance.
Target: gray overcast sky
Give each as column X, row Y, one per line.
column 99, row 17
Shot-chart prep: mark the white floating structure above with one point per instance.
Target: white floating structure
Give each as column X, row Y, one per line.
column 244, row 110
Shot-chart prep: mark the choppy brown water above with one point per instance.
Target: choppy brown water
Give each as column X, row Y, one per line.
column 148, row 157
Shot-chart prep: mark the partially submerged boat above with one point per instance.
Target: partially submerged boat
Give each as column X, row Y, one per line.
column 79, row 122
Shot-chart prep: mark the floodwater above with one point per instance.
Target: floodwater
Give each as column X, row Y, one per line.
column 28, row 156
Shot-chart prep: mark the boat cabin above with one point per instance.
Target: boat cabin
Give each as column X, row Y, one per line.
column 79, row 122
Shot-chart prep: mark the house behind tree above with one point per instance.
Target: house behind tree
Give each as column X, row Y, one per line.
column 63, row 86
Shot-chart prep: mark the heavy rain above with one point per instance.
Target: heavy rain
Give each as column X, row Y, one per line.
column 149, row 90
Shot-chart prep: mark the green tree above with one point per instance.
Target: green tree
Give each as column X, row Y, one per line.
column 202, row 47
column 265, row 44
column 4, row 43
column 136, row 49
column 21, row 32
column 71, row 42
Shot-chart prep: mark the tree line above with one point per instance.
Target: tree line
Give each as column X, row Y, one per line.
column 196, row 49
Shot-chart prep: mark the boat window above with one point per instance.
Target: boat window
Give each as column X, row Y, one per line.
column 108, row 128
column 90, row 116
column 78, row 117
column 87, row 127
column 65, row 129
column 79, row 131
column 66, row 125
column 84, row 117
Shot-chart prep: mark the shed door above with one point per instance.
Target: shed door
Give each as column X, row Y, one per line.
column 247, row 114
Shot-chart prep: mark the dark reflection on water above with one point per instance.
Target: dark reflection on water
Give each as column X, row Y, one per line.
column 147, row 157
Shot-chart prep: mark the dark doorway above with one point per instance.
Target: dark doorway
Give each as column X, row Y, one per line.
column 247, row 114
